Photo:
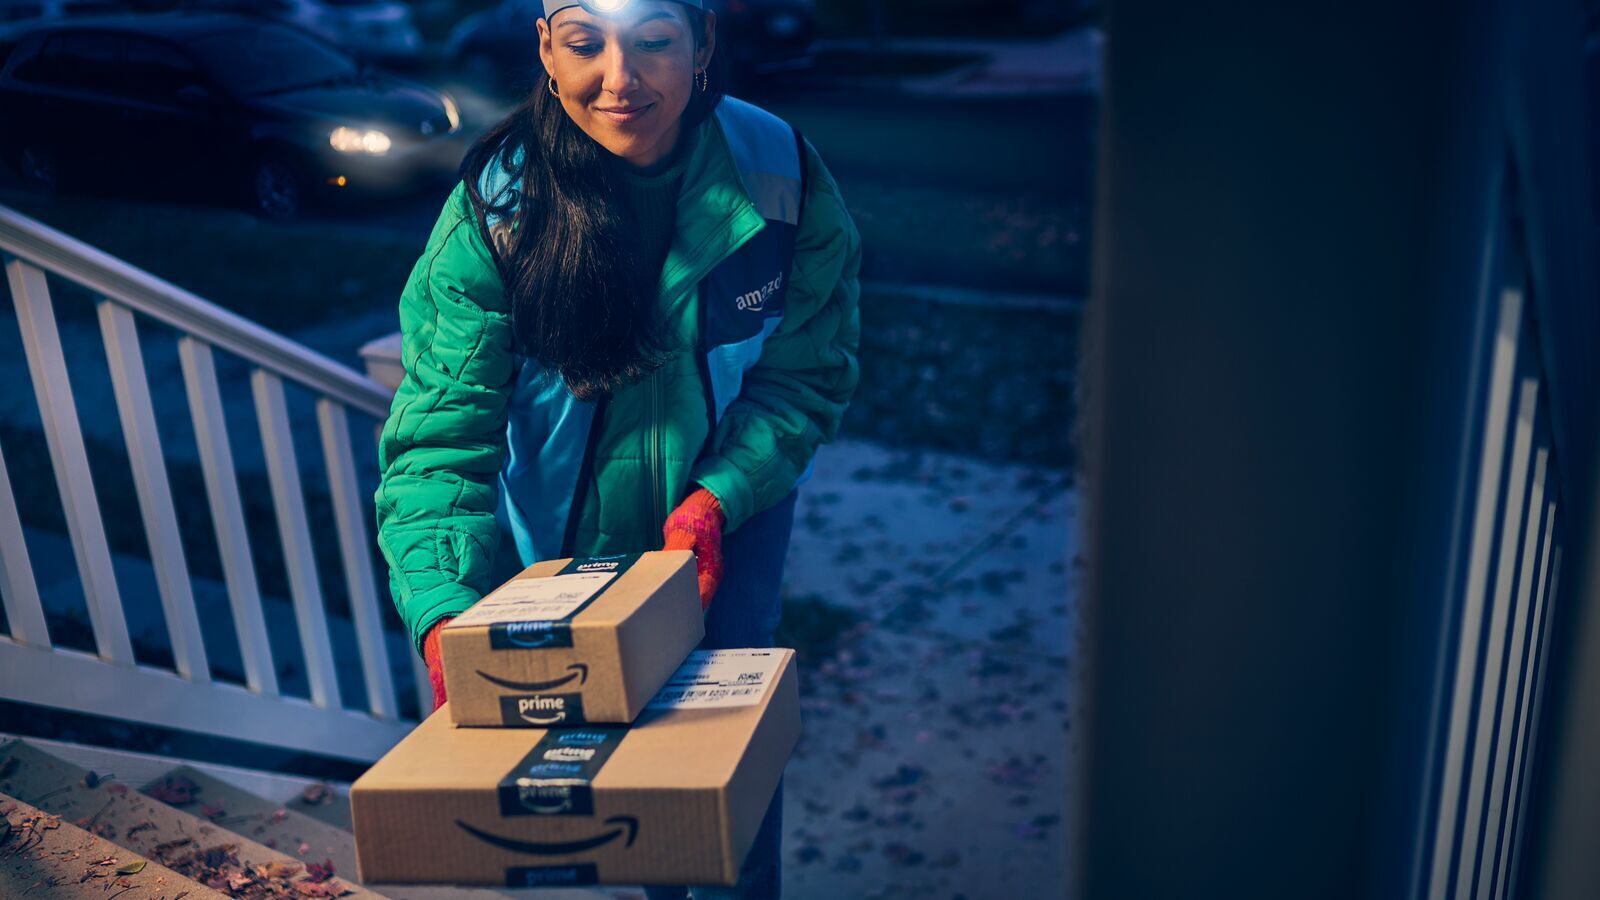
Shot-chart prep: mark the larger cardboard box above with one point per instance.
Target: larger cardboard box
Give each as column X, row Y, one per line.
column 573, row 641
column 674, row 799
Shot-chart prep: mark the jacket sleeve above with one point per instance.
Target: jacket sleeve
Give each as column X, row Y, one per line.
column 440, row 450
column 794, row 398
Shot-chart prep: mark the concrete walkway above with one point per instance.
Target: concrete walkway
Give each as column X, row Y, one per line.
column 939, row 741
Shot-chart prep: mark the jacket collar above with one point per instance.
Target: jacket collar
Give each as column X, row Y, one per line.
column 715, row 215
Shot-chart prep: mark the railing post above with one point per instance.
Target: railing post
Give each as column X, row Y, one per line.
column 48, row 368
column 353, row 549
column 24, row 612
column 227, row 513
column 139, row 432
column 294, row 530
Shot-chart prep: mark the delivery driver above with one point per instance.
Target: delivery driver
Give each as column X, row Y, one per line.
column 631, row 327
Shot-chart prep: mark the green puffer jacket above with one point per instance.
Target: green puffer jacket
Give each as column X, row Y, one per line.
column 444, row 448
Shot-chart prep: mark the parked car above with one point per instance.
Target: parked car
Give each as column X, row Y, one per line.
column 498, row 47
column 379, row 30
column 264, row 112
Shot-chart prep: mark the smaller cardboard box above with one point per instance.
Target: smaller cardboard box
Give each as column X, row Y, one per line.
column 674, row 799
column 573, row 641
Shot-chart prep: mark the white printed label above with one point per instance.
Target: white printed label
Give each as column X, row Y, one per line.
column 717, row 678
column 535, row 599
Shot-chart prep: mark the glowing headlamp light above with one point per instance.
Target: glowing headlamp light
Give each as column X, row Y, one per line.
column 603, row 7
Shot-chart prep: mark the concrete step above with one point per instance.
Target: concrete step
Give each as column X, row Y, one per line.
column 289, row 828
column 42, row 856
column 269, row 818
column 153, row 825
column 326, row 802
column 281, row 827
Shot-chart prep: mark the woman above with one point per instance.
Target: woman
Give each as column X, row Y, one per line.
column 631, row 327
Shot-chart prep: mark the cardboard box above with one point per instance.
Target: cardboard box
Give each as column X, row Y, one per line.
column 674, row 799
column 573, row 641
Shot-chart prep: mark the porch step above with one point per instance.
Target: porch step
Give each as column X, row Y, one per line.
column 43, row 856
column 154, row 826
column 281, row 827
column 184, row 809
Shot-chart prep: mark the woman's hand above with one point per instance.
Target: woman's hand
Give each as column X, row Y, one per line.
column 697, row 525
column 430, row 655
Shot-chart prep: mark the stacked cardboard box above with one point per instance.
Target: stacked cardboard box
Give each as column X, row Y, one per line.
column 569, row 642
column 616, row 761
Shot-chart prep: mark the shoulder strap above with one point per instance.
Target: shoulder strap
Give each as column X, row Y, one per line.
column 805, row 174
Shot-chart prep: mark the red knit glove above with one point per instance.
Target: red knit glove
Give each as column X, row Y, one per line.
column 697, row 525
column 430, row 655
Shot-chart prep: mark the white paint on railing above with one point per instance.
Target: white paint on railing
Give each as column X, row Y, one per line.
column 1552, row 596
column 1496, row 416
column 1530, row 667
column 227, row 513
column 150, row 484
column 18, row 589
column 339, row 461
column 47, row 366
column 294, row 530
column 1514, row 504
column 1506, row 689
column 66, row 679
column 191, row 700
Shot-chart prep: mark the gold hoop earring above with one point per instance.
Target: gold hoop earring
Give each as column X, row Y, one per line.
column 703, row 78
column 551, row 83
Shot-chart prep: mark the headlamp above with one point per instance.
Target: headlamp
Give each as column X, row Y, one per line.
column 603, row 7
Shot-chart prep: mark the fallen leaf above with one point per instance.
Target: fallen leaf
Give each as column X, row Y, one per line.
column 132, row 868
column 320, row 889
column 322, row 872
column 281, row 869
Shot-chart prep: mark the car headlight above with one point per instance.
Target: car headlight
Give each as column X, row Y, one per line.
column 357, row 140
column 451, row 112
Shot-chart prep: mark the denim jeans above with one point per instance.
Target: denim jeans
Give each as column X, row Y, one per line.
column 744, row 613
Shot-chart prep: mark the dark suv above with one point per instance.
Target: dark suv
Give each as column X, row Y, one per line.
column 216, row 104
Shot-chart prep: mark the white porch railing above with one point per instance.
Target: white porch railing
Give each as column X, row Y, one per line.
column 110, row 682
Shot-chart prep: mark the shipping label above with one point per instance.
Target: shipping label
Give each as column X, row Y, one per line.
column 712, row 679
column 536, row 613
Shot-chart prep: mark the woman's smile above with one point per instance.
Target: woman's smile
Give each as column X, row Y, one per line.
column 624, row 115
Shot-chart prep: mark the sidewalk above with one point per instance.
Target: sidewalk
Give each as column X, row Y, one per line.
column 938, row 741
column 1066, row 64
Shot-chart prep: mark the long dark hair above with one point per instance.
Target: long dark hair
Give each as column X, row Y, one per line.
column 580, row 305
